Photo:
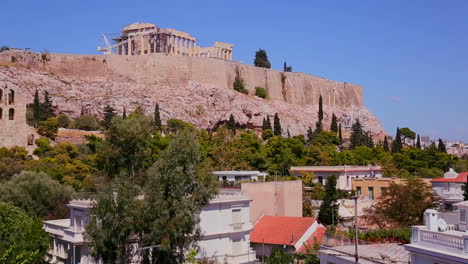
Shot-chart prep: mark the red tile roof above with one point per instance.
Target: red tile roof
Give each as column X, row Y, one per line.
column 318, row 235
column 280, row 230
column 461, row 178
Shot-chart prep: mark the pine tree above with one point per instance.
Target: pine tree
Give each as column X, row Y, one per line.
column 334, row 124
column 397, row 144
column 109, row 113
column 268, row 123
column 157, row 118
column 329, row 203
column 356, row 134
column 264, row 124
column 261, row 59
column 418, row 142
column 385, row 144
column 340, row 135
column 37, row 109
column 124, row 115
column 289, row 134
column 441, row 147
column 231, row 125
column 277, row 128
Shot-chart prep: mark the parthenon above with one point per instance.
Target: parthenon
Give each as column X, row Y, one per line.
column 147, row 38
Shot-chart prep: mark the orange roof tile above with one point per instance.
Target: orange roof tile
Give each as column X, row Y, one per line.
column 280, row 230
column 318, row 235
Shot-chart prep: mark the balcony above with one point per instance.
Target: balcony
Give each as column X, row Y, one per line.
column 450, row 241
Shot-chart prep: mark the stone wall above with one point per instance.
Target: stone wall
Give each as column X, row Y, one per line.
column 197, row 90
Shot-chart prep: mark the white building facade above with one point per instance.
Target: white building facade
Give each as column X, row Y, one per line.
column 68, row 244
column 343, row 174
column 225, row 224
column 451, row 187
column 439, row 242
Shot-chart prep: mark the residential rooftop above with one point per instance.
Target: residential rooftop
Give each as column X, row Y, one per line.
column 344, row 168
column 372, row 253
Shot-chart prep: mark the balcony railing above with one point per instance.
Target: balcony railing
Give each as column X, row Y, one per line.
column 450, row 240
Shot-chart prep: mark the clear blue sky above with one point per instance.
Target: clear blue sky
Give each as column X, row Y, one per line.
column 411, row 57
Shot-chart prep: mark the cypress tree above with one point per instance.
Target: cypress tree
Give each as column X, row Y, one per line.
column 124, row 115
column 264, row 124
column 284, row 66
column 329, row 203
column 157, row 118
column 109, row 113
column 47, row 109
column 334, row 124
column 441, row 146
column 418, row 142
column 357, row 134
column 261, row 59
column 385, row 144
column 231, row 125
column 340, row 136
column 320, row 111
column 277, row 128
column 310, row 134
column 397, row 144
column 268, row 123
column 289, row 134
column 37, row 109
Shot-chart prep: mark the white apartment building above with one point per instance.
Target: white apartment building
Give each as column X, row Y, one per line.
column 225, row 224
column 441, row 239
column 344, row 174
column 68, row 244
column 451, row 187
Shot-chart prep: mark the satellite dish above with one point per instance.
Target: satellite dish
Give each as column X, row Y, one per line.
column 442, row 224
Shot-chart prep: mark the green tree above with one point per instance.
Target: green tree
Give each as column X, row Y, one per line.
column 36, row 193
column 261, row 92
column 157, row 118
column 126, row 148
column 441, row 146
column 48, row 128
column 385, row 144
column 268, row 123
column 124, row 114
column 277, row 129
column 37, row 108
column 397, row 144
column 178, row 187
column 47, row 109
column 280, row 257
column 340, row 135
column 266, row 134
column 109, row 113
column 319, row 124
column 328, row 208
column 87, row 122
column 404, row 204
column 325, row 138
column 359, row 137
column 231, row 125
column 24, row 241
column 174, row 125
column 418, row 142
column 407, row 133
column 113, row 222
column 334, row 124
column 261, row 59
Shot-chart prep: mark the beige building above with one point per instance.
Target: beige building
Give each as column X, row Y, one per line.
column 147, row 38
column 373, row 188
column 14, row 130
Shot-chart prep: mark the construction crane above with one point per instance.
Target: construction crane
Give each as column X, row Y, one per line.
column 107, row 49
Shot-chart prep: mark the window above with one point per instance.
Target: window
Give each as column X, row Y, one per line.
column 11, row 114
column 320, row 180
column 371, row 193
column 236, row 219
column 236, row 246
column 462, row 215
column 11, row 97
column 358, row 190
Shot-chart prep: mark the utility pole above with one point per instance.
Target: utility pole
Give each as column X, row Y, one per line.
column 356, row 256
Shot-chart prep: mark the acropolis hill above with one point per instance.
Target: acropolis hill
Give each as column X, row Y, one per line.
column 196, row 89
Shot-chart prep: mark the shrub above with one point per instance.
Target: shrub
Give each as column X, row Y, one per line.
column 261, row 92
column 86, row 122
column 13, row 59
column 239, row 85
column 48, row 128
column 63, row 120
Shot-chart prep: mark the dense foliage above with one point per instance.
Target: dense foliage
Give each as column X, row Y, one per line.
column 261, row 59
column 23, row 239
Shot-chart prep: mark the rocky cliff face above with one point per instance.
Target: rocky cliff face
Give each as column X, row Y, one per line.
column 197, row 90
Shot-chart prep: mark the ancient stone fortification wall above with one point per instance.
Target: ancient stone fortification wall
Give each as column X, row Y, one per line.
column 194, row 89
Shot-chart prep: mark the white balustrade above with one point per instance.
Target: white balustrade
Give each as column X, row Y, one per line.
column 441, row 239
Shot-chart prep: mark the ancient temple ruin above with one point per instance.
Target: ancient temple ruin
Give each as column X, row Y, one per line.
column 147, row 38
